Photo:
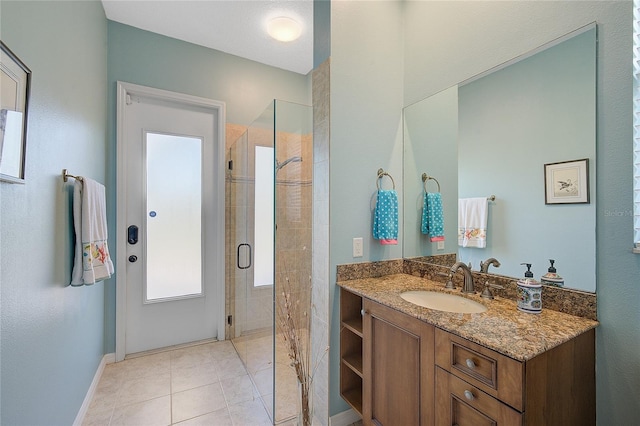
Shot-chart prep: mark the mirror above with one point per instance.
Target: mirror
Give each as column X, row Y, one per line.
column 493, row 135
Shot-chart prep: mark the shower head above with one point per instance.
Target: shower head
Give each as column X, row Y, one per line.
column 287, row 161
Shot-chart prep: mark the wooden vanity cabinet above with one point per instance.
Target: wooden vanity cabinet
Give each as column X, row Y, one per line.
column 398, row 368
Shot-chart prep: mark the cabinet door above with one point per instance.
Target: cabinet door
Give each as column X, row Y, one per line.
column 398, row 368
column 461, row 404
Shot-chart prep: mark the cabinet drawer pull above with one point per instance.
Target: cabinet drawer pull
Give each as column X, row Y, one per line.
column 470, row 363
column 469, row 395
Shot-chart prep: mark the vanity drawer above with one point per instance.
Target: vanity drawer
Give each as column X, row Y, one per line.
column 497, row 375
column 459, row 403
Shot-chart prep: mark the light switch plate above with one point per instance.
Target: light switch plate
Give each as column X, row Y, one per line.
column 358, row 247
column 440, row 245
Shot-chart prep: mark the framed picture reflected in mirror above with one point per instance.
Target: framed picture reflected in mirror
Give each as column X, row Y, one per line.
column 567, row 182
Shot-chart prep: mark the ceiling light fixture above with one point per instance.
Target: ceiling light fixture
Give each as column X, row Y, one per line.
column 284, row 29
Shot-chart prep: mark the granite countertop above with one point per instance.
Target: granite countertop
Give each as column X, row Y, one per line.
column 502, row 327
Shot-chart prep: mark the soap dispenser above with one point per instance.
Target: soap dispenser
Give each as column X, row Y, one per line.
column 551, row 277
column 529, row 293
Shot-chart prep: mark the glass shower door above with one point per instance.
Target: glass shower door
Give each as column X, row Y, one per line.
column 293, row 240
column 269, row 223
column 250, row 239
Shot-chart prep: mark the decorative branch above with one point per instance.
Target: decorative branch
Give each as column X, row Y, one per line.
column 294, row 319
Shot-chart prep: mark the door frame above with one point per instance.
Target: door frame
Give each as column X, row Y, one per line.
column 218, row 109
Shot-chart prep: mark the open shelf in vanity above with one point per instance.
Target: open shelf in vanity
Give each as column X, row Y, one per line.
column 351, row 349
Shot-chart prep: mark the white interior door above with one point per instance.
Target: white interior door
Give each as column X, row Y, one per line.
column 169, row 182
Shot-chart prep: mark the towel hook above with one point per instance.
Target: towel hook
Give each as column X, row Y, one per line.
column 382, row 173
column 425, row 178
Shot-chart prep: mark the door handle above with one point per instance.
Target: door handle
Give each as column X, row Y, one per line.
column 133, row 258
column 238, row 256
column 132, row 234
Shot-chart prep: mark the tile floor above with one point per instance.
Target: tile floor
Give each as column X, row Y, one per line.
column 256, row 351
column 205, row 384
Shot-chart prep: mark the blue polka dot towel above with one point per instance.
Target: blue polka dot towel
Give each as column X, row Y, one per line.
column 385, row 217
column 432, row 218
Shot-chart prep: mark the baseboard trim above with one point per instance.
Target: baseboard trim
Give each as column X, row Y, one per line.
column 109, row 358
column 106, row 359
column 344, row 418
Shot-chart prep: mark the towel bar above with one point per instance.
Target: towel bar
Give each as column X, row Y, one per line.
column 425, row 178
column 66, row 175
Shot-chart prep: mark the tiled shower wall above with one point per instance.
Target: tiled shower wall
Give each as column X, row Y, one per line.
column 294, row 212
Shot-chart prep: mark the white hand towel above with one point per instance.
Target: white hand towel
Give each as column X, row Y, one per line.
column 472, row 222
column 92, row 261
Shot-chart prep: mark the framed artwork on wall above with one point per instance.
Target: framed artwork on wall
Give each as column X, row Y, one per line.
column 567, row 182
column 15, row 80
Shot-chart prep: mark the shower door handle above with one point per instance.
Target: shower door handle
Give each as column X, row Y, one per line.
column 238, row 256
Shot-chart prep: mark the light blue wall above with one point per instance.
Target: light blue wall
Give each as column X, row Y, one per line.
column 431, row 146
column 52, row 334
column 247, row 87
column 366, row 134
column 149, row 59
column 513, row 121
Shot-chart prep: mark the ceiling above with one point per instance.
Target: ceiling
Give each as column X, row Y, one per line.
column 237, row 27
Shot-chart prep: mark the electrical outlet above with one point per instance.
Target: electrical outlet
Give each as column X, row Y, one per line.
column 440, row 245
column 358, row 247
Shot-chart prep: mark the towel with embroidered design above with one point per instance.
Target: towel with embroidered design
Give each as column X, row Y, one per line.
column 92, row 262
column 472, row 222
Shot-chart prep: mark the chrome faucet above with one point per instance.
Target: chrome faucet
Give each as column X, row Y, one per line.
column 484, row 266
column 468, row 278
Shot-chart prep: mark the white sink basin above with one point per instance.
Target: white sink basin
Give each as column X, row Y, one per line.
column 443, row 302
